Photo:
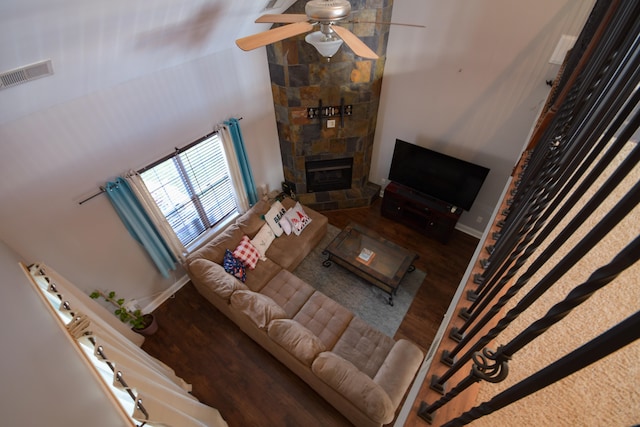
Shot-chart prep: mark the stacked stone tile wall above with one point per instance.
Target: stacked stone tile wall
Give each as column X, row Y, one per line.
column 301, row 77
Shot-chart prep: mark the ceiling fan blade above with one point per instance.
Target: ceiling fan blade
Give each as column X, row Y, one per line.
column 357, row 21
column 274, row 35
column 282, row 18
column 357, row 46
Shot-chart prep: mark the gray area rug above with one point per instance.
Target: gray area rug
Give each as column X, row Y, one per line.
column 363, row 299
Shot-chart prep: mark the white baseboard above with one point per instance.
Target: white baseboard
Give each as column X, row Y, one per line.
column 420, row 379
column 470, row 231
column 157, row 302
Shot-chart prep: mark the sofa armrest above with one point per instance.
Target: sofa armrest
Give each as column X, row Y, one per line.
column 399, row 369
column 355, row 386
column 210, row 277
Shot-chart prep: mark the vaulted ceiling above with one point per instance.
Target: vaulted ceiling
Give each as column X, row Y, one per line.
column 101, row 43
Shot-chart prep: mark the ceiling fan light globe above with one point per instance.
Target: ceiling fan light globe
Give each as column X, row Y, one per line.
column 326, row 46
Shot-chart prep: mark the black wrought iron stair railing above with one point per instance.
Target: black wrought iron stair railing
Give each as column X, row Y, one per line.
column 573, row 193
column 613, row 340
column 595, row 117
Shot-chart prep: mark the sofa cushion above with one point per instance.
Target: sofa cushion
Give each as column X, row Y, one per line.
column 247, row 253
column 288, row 291
column 355, row 386
column 214, row 250
column 324, row 317
column 262, row 240
column 233, row 266
column 365, row 347
column 212, row 276
column 296, row 339
column 262, row 274
column 281, row 250
column 251, row 221
column 259, row 308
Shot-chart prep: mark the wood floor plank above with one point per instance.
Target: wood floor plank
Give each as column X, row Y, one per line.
column 232, row 373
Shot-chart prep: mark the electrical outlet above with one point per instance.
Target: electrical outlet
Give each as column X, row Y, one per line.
column 331, row 123
column 383, row 184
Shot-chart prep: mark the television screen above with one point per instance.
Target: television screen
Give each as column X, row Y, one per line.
column 438, row 175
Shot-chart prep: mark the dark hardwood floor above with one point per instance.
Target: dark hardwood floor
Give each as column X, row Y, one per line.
column 251, row 388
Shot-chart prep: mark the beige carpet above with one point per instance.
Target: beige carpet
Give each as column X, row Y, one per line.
column 608, row 392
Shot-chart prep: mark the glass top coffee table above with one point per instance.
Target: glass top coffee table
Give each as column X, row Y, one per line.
column 385, row 267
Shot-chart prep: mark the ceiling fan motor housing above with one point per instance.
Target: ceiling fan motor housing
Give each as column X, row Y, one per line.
column 327, row 10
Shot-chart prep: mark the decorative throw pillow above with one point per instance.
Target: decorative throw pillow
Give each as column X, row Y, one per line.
column 262, row 240
column 273, row 217
column 285, row 224
column 297, row 218
column 233, row 266
column 247, row 253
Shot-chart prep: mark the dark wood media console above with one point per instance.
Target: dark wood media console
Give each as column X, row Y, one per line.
column 430, row 216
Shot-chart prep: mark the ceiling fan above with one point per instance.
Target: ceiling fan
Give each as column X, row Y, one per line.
column 327, row 41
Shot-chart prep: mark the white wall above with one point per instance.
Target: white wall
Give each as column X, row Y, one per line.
column 44, row 380
column 132, row 81
column 471, row 83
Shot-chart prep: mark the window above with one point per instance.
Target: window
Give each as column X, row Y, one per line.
column 192, row 188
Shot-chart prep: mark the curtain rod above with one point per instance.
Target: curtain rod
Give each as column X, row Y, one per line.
column 156, row 163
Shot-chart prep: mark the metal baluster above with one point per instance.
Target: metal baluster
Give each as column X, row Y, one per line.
column 594, row 104
column 512, row 244
column 530, row 179
column 598, row 348
column 609, row 106
column 622, row 208
column 626, row 109
column 493, row 366
column 511, row 235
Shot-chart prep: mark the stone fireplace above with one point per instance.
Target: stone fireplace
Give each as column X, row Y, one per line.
column 302, row 79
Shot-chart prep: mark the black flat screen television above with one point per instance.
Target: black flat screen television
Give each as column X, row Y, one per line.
column 438, row 175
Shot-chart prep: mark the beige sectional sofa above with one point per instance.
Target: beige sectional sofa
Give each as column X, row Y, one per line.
column 360, row 371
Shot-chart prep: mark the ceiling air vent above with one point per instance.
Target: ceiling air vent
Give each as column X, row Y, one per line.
column 273, row 4
column 25, row 74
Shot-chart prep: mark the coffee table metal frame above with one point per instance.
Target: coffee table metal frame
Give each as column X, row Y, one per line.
column 387, row 268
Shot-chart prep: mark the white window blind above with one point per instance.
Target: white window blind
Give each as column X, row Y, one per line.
column 192, row 188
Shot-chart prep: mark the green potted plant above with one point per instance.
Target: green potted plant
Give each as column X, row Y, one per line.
column 144, row 324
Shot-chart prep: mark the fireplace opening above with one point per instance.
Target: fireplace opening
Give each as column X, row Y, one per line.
column 327, row 175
